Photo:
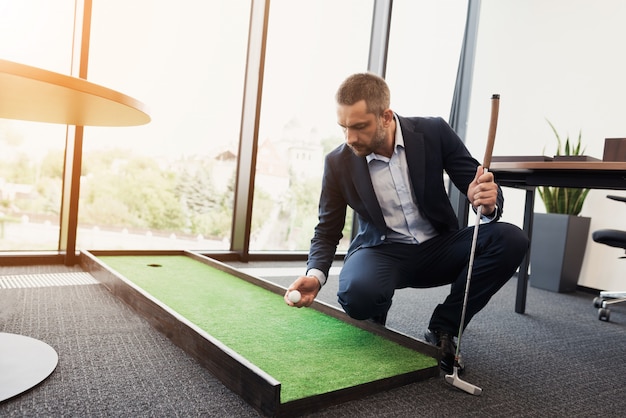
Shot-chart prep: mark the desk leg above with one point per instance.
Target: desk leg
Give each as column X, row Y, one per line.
column 522, row 278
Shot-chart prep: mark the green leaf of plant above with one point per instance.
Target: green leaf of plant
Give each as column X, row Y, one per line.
column 558, row 199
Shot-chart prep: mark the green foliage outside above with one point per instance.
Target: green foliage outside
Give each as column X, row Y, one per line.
column 190, row 196
column 122, row 190
column 136, row 192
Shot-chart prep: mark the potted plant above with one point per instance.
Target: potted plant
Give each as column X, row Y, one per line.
column 559, row 237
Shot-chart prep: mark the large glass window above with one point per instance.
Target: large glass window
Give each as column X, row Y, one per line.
column 425, row 44
column 424, row 48
column 37, row 33
column 312, row 46
column 167, row 184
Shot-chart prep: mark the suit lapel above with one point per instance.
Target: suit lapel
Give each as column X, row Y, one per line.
column 415, row 152
column 360, row 174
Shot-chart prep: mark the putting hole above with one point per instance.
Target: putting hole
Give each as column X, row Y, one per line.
column 155, row 265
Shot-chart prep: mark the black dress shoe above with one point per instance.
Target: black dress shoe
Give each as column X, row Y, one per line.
column 445, row 341
column 379, row 319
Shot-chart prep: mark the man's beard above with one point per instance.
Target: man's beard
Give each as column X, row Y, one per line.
column 377, row 142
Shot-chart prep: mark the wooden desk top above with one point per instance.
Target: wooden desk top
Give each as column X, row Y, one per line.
column 34, row 94
column 583, row 174
column 557, row 165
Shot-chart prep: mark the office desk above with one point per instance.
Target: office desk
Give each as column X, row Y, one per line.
column 35, row 94
column 528, row 175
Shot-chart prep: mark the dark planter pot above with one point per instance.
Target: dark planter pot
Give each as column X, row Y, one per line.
column 557, row 251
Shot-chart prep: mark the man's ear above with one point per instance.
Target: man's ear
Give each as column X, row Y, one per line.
column 387, row 117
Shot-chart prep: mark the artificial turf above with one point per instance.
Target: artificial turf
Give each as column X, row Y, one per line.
column 309, row 352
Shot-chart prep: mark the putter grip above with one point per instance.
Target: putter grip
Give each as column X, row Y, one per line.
column 493, row 125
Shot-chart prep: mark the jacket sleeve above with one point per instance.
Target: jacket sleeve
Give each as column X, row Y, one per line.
column 332, row 216
column 461, row 166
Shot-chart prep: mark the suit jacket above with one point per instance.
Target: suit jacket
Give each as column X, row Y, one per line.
column 431, row 147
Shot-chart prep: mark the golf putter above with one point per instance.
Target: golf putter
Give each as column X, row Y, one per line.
column 454, row 378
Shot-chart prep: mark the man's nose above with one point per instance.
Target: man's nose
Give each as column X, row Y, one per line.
column 351, row 136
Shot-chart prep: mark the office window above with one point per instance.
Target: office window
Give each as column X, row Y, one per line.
column 36, row 33
column 167, row 184
column 424, row 48
column 311, row 48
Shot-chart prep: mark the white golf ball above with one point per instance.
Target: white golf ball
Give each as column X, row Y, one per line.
column 294, row 296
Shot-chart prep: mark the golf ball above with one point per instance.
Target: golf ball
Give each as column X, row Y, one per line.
column 294, row 296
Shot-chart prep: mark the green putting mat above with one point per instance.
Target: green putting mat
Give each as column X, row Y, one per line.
column 309, row 352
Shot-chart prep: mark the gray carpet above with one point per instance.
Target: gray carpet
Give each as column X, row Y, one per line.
column 556, row 360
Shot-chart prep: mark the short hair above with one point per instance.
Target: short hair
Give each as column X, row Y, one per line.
column 365, row 86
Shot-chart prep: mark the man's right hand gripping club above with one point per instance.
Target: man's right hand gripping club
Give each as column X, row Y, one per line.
column 308, row 286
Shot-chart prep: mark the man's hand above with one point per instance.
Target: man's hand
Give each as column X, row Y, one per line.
column 308, row 286
column 483, row 191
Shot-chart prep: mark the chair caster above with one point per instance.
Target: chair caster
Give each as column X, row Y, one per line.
column 598, row 302
column 604, row 314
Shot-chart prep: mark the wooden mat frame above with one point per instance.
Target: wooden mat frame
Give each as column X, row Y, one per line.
column 255, row 386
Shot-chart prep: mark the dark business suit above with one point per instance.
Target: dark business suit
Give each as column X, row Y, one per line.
column 374, row 268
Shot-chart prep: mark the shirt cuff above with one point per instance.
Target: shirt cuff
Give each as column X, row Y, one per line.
column 318, row 274
column 489, row 218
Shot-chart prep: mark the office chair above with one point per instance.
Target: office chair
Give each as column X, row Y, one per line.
column 613, row 238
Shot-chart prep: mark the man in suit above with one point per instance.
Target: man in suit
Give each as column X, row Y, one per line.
column 390, row 172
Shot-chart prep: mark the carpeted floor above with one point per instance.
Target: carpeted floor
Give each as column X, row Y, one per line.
column 556, row 360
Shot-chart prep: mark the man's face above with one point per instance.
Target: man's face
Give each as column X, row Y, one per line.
column 364, row 132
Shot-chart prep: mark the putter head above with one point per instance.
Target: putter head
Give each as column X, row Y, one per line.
column 457, row 382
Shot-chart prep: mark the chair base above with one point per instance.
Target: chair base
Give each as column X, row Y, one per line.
column 605, row 299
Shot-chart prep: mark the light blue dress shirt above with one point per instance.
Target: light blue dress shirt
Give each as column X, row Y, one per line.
column 392, row 185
